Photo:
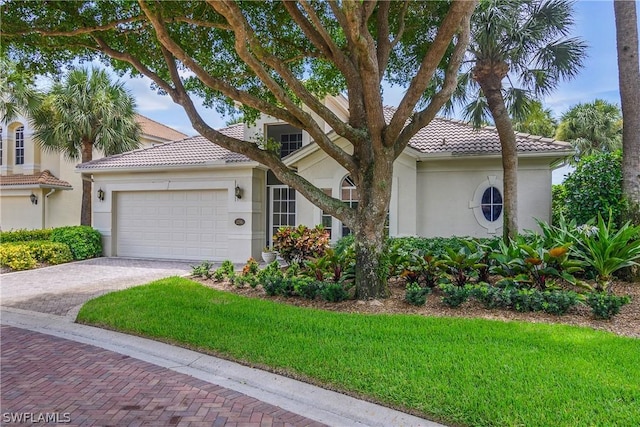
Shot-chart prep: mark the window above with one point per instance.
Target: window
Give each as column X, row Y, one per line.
column 327, row 219
column 1, row 146
column 289, row 143
column 349, row 195
column 491, row 204
column 283, row 208
column 20, row 145
column 487, row 204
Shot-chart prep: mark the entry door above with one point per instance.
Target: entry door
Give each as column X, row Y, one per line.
column 283, row 208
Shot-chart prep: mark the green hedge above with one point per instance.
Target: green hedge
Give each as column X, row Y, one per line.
column 25, row 255
column 84, row 241
column 25, row 235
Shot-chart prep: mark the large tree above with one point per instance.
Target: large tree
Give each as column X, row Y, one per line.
column 629, row 78
column 519, row 50
column 18, row 94
column 591, row 127
column 281, row 59
column 83, row 112
column 537, row 121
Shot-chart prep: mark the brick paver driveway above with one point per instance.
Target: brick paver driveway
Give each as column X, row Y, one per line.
column 79, row 384
column 61, row 288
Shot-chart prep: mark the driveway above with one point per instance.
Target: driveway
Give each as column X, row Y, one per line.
column 61, row 289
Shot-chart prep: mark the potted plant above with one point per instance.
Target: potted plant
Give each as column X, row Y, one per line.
column 268, row 254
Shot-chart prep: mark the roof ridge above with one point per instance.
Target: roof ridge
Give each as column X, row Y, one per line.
column 162, row 124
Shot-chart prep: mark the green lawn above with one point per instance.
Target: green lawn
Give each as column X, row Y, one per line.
column 463, row 371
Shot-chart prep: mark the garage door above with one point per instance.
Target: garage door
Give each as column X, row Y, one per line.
column 189, row 225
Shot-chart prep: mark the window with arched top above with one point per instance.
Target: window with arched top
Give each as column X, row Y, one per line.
column 19, row 145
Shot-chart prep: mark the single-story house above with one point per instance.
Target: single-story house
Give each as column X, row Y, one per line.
column 191, row 199
column 41, row 189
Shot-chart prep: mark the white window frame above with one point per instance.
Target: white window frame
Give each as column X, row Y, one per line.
column 271, row 210
column 476, row 204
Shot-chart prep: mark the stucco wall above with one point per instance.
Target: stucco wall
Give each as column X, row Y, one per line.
column 324, row 172
column 245, row 240
column 446, row 191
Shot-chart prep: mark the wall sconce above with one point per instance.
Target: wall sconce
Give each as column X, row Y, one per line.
column 238, row 192
column 101, row 195
column 34, row 199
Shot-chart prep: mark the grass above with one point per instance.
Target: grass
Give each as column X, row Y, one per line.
column 462, row 371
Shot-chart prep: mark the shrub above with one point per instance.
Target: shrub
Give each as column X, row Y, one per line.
column 251, row 268
column 454, row 296
column 416, row 294
column 202, row 270
column 595, row 187
column 297, row 244
column 524, row 300
column 24, row 235
column 84, row 241
column 307, row 288
column 226, row 271
column 50, row 252
column 333, row 292
column 493, row 296
column 605, row 305
column 16, row 257
column 559, row 302
column 558, row 203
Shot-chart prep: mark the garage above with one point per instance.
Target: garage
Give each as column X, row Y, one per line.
column 185, row 224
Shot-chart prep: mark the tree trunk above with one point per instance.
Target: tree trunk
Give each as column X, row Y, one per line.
column 371, row 215
column 489, row 77
column 629, row 80
column 85, row 213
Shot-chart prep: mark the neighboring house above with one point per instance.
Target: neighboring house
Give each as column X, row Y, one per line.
column 41, row 189
column 191, row 199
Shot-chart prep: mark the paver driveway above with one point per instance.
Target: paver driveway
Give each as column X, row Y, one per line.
column 61, row 288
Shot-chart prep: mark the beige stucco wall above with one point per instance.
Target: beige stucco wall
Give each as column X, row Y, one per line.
column 446, row 189
column 245, row 240
column 324, row 172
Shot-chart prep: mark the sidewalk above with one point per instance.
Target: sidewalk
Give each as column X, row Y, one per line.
column 81, row 370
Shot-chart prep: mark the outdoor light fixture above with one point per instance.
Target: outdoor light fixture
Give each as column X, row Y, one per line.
column 238, row 192
column 34, row 199
column 101, row 195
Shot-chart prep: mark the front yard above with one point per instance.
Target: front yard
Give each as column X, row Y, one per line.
column 454, row 370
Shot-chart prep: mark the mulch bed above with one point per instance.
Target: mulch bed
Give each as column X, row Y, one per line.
column 627, row 323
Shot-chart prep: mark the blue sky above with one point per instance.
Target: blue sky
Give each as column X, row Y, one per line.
column 594, row 22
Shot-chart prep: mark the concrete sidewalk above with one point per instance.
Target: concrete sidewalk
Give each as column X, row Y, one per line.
column 302, row 403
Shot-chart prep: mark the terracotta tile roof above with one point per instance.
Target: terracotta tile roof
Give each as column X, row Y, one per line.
column 195, row 150
column 457, row 137
column 158, row 130
column 43, row 179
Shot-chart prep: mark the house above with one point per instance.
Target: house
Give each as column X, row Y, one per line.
column 191, row 199
column 40, row 189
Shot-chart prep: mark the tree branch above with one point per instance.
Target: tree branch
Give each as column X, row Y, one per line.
column 458, row 14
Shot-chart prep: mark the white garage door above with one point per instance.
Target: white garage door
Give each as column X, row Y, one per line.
column 189, row 225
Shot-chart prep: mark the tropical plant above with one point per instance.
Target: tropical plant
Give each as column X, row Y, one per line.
column 297, row 244
column 416, row 294
column 591, row 128
column 537, row 121
column 454, row 295
column 19, row 94
column 524, row 41
column 605, row 305
column 84, row 112
column 202, row 270
column 608, row 250
column 462, row 265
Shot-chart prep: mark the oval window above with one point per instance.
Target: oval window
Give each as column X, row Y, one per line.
column 491, row 204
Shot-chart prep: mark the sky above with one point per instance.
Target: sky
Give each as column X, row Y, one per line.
column 594, row 23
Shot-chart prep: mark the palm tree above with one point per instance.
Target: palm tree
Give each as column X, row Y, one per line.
column 526, row 43
column 18, row 95
column 538, row 121
column 84, row 112
column 591, row 127
column 629, row 77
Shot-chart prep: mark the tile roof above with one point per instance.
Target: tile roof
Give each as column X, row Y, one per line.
column 457, row 137
column 44, row 179
column 195, row 150
column 158, row 130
